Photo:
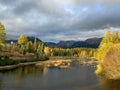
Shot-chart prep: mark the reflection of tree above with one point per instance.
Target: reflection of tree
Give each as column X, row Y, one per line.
column 109, row 84
column 45, row 70
column 24, row 71
column 1, row 81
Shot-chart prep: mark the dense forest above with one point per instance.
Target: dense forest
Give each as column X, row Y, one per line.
column 72, row 52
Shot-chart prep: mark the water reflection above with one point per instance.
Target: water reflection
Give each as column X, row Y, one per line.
column 1, row 81
column 42, row 78
column 45, row 70
column 109, row 84
column 24, row 71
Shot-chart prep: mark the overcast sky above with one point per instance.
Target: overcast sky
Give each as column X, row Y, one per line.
column 54, row 20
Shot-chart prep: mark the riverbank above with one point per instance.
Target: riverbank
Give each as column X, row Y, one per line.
column 7, row 63
column 59, row 62
column 66, row 62
column 50, row 63
column 9, row 67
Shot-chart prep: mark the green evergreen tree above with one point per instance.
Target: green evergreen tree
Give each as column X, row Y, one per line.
column 30, row 47
column 40, row 48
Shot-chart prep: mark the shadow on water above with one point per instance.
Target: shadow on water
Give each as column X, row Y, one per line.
column 24, row 71
column 15, row 79
column 109, row 84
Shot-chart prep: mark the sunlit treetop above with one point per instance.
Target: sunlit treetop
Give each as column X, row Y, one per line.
column 22, row 40
column 2, row 34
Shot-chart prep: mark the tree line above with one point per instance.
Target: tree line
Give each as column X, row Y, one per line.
column 23, row 46
column 72, row 52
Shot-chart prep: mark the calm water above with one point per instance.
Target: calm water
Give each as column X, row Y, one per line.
column 38, row 78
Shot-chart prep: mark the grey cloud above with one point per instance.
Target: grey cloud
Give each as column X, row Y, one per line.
column 60, row 19
column 92, row 2
column 98, row 19
column 45, row 7
column 9, row 1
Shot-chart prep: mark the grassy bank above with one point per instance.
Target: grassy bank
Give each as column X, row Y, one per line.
column 9, row 61
column 9, row 67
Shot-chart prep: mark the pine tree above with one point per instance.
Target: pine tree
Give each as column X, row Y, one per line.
column 106, row 38
column 30, row 47
column 40, row 48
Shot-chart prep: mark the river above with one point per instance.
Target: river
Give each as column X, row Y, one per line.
column 38, row 78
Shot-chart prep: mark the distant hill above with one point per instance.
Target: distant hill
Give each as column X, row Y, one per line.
column 89, row 43
column 9, row 41
column 66, row 44
column 30, row 38
column 50, row 44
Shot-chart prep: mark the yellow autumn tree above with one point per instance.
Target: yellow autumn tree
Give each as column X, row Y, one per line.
column 83, row 53
column 118, row 34
column 108, row 41
column 2, row 35
column 112, row 37
column 106, row 37
column 22, row 40
column 118, row 37
column 47, row 51
column 91, row 53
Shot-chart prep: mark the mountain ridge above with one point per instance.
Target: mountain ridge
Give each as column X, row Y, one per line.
column 88, row 43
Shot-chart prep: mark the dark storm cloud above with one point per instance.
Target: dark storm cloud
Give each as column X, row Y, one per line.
column 59, row 19
column 98, row 19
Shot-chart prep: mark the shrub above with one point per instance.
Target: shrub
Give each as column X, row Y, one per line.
column 8, row 61
column 100, row 55
column 111, row 63
column 102, row 50
column 99, row 69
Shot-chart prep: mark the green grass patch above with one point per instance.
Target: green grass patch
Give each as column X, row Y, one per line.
column 7, row 61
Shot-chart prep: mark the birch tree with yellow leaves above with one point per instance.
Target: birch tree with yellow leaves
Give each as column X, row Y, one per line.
column 2, row 35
